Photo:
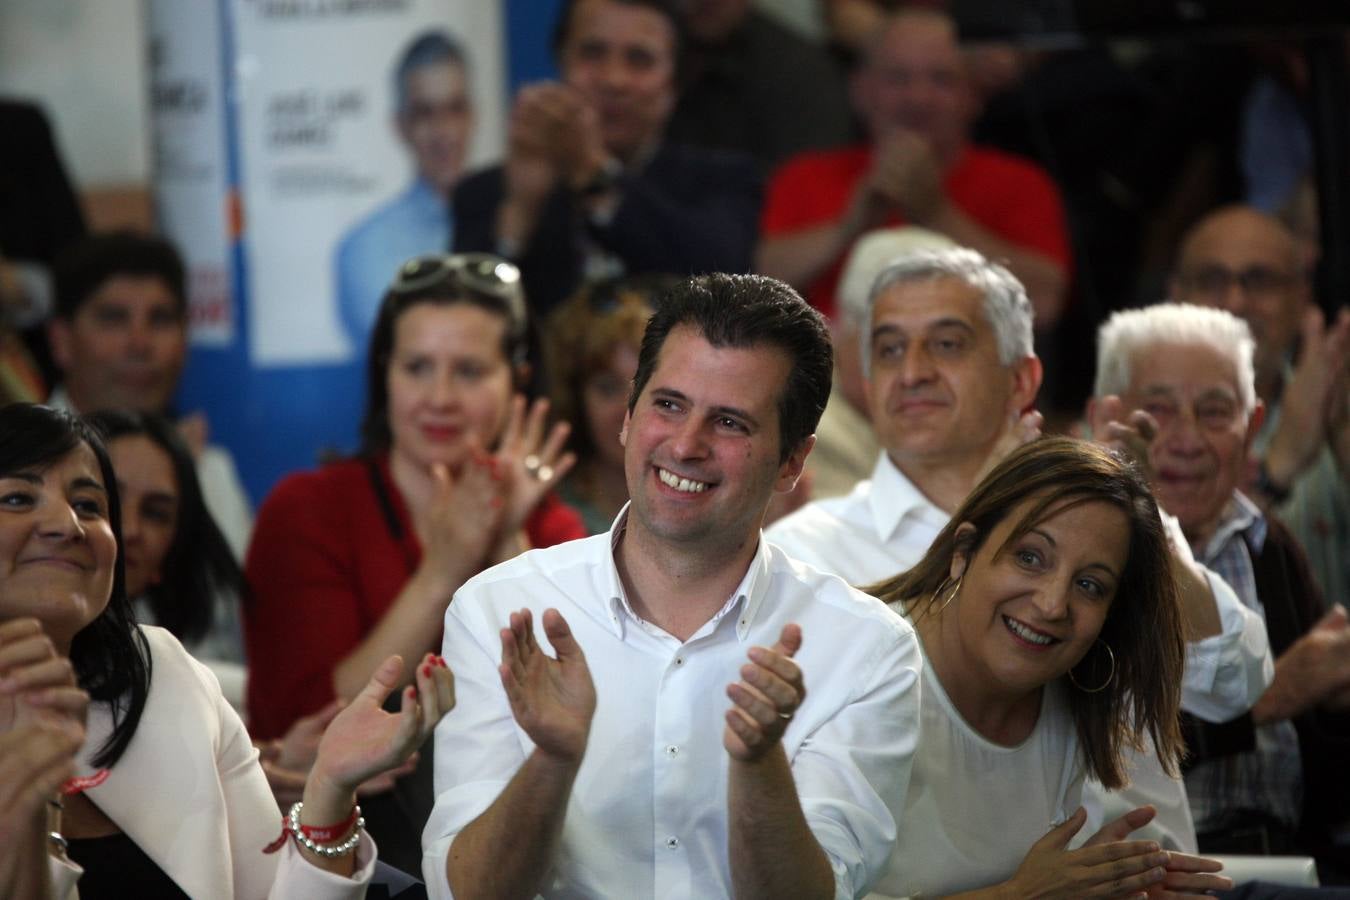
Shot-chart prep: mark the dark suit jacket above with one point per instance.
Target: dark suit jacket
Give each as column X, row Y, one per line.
column 687, row 211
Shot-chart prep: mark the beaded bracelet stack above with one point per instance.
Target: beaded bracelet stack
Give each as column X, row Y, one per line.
column 319, row 839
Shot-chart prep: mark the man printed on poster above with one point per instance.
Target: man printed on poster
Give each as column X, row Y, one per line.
column 434, row 119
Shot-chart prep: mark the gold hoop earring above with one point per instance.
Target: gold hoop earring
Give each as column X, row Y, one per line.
column 951, row 594
column 1111, row 656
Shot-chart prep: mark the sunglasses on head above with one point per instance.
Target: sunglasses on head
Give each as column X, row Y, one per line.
column 482, row 272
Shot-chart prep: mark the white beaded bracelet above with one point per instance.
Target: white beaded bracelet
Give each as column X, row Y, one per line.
column 328, row 851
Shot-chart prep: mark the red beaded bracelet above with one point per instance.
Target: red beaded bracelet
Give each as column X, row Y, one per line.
column 313, row 836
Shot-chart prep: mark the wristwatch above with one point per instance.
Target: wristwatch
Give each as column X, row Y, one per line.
column 1266, row 485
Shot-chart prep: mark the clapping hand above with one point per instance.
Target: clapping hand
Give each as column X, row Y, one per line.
column 464, row 517
column 363, row 741
column 1051, row 871
column 530, row 460
column 1185, row 877
column 766, row 697
column 1019, row 429
column 37, row 685
column 552, row 699
column 1131, row 435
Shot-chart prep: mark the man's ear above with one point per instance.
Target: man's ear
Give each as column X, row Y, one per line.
column 1027, row 374
column 792, row 467
column 60, row 339
column 1254, row 421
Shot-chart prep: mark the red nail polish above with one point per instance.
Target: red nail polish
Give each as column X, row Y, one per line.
column 426, row 670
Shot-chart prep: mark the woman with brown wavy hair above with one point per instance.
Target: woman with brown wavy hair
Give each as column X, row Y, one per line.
column 1052, row 631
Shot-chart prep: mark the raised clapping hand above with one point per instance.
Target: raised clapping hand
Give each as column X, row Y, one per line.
column 552, row 699
column 364, row 741
column 1019, row 429
column 1131, row 434
column 287, row 761
column 766, row 697
column 37, row 685
column 1109, row 866
column 1307, row 413
column 905, row 174
column 530, row 461
column 464, row 518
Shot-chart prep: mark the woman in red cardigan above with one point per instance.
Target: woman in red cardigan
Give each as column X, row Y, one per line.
column 359, row 560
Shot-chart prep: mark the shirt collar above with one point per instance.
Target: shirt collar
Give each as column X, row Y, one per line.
column 749, row 594
column 894, row 497
column 424, row 197
column 1240, row 517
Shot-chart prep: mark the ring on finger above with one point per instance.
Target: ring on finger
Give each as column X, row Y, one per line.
column 543, row 473
column 532, row 462
column 785, row 716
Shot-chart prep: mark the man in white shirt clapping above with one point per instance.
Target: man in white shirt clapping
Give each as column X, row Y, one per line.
column 681, row 754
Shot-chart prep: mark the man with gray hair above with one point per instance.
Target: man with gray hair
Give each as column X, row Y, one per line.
column 950, row 378
column 433, row 114
column 1175, row 384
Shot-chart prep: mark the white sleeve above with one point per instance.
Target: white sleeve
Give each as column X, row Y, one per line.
column 852, row 774
column 477, row 746
column 1227, row 673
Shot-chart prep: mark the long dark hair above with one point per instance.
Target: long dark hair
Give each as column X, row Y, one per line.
column 1144, row 624
column 110, row 654
column 199, row 565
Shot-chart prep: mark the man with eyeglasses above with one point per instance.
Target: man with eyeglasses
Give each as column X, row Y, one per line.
column 1241, row 260
column 1175, row 381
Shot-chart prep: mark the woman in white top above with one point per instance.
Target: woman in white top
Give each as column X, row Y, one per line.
column 1052, row 630
column 170, row 800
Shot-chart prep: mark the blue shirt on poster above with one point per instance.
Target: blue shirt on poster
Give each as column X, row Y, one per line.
column 415, row 222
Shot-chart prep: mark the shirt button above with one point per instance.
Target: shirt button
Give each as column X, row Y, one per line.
column 672, row 750
column 672, row 843
column 679, row 660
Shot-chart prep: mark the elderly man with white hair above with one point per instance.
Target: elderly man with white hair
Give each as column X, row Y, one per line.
column 1175, row 382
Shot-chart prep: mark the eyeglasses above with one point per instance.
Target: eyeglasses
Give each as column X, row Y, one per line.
column 481, row 272
column 1258, row 281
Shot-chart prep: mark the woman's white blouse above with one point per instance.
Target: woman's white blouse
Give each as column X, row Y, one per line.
column 974, row 808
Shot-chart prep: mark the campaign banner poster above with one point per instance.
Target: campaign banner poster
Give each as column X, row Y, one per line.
column 350, row 135
column 189, row 140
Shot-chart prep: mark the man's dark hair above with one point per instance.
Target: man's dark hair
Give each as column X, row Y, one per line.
column 744, row 311
column 430, row 48
column 83, row 268
column 563, row 27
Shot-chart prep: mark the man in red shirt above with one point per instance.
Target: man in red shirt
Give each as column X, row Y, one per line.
column 912, row 94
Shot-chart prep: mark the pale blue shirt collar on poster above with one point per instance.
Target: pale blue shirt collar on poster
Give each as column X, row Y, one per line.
column 621, row 616
column 894, row 498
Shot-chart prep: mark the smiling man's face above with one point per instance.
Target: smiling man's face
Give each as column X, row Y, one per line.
column 1204, row 433
column 702, row 442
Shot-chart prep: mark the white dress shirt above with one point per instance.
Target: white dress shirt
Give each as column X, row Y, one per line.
column 879, row 529
column 886, row 525
column 647, row 816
